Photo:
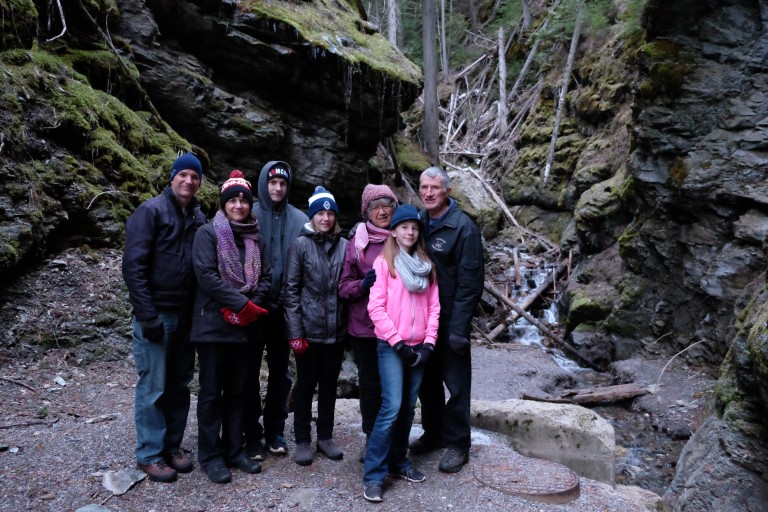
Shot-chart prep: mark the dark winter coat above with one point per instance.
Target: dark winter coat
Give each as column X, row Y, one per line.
column 280, row 225
column 213, row 293
column 157, row 260
column 313, row 309
column 456, row 248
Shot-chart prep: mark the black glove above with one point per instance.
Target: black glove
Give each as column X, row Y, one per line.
column 367, row 281
column 424, row 351
column 459, row 344
column 153, row 330
column 406, row 353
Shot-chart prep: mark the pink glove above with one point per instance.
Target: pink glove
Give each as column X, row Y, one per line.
column 299, row 345
column 249, row 314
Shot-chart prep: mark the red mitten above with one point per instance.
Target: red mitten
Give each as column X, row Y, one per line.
column 249, row 314
column 299, row 345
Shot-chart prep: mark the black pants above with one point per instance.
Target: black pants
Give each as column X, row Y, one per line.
column 369, row 382
column 220, row 404
column 447, row 420
column 275, row 407
column 318, row 367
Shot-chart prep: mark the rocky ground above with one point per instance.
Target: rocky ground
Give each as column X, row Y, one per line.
column 66, row 396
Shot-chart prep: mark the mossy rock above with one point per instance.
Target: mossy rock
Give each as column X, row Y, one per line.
column 18, row 23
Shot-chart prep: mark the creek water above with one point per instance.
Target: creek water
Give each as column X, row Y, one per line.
column 645, row 456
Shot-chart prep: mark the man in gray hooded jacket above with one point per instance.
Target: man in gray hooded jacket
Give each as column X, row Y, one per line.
column 280, row 224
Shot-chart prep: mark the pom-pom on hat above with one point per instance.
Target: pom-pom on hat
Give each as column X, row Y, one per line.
column 373, row 192
column 321, row 200
column 403, row 213
column 235, row 186
column 186, row 161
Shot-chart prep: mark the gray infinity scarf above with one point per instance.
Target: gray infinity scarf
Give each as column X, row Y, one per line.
column 413, row 271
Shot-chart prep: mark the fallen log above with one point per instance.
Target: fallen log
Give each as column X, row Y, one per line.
column 605, row 394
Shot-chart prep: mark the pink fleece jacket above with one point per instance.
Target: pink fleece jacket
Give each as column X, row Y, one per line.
column 398, row 314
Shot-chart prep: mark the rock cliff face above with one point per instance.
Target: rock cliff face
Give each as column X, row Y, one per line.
column 93, row 115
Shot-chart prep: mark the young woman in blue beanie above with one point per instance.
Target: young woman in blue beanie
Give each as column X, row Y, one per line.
column 316, row 327
column 234, row 280
column 405, row 307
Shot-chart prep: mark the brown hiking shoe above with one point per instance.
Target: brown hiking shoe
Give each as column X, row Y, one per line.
column 179, row 460
column 159, row 471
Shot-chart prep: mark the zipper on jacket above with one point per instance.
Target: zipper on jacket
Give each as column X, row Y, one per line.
column 413, row 316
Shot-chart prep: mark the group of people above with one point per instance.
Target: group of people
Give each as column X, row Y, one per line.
column 262, row 276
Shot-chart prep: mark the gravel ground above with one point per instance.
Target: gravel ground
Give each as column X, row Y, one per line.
column 58, row 463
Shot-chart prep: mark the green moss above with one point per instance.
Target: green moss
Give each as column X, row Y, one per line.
column 410, row 156
column 336, row 26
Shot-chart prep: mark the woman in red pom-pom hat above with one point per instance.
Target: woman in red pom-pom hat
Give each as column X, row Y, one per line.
column 234, row 279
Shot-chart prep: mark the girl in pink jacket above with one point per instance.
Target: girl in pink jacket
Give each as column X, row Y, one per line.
column 404, row 307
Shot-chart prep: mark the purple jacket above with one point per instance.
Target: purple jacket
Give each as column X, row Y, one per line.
column 360, row 325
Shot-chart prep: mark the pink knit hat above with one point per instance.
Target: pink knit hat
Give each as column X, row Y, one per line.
column 373, row 192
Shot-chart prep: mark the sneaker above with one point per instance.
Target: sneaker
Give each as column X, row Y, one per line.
column 158, row 471
column 179, row 460
column 257, row 451
column 453, row 460
column 278, row 446
column 411, row 475
column 425, row 444
column 218, row 474
column 246, row 465
column 328, row 448
column 303, row 455
column 374, row 492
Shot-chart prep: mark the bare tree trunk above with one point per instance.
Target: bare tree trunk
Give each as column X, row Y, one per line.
column 503, row 111
column 443, row 41
column 527, row 18
column 393, row 19
column 430, row 125
column 472, row 16
column 564, row 90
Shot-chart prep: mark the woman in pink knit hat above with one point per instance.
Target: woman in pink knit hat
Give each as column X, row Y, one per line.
column 357, row 276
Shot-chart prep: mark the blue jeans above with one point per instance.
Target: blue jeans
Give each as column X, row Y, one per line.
column 162, row 393
column 388, row 444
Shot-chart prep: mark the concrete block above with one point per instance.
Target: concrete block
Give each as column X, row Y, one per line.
column 571, row 435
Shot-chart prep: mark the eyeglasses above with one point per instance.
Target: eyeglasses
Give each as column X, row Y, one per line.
column 382, row 208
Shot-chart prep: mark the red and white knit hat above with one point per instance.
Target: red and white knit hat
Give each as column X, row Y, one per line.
column 235, row 186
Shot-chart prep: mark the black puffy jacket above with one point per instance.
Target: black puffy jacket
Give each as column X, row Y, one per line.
column 157, row 260
column 213, row 293
column 456, row 248
column 310, row 295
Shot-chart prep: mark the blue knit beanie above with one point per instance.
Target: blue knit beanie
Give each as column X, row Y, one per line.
column 403, row 213
column 186, row 161
column 321, row 200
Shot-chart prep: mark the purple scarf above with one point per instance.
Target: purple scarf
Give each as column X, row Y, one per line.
column 244, row 277
column 371, row 234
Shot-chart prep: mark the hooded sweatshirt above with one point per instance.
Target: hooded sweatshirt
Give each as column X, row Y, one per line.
column 280, row 225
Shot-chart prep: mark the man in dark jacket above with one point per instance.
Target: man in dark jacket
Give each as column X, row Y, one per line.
column 280, row 224
column 157, row 269
column 455, row 246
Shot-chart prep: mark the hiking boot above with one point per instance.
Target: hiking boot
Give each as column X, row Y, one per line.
column 257, row 451
column 218, row 474
column 374, row 492
column 278, row 446
column 158, row 471
column 303, row 455
column 411, row 475
column 246, row 465
column 328, row 448
column 179, row 460
column 426, row 444
column 453, row 460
